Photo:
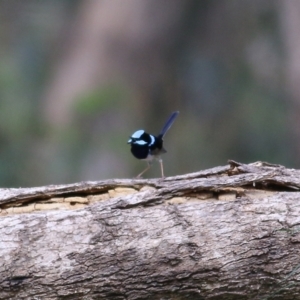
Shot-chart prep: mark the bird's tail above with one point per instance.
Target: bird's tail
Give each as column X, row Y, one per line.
column 168, row 124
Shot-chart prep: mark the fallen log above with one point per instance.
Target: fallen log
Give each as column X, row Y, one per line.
column 230, row 232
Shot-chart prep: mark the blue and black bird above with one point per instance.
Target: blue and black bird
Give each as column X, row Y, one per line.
column 146, row 146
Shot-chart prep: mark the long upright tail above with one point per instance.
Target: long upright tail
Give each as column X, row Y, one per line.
column 168, row 124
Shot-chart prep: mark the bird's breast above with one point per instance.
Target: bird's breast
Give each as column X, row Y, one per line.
column 140, row 152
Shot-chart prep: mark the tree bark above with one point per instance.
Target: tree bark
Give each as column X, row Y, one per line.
column 230, row 232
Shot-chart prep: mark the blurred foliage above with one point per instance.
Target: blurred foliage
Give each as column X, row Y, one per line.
column 226, row 73
column 99, row 100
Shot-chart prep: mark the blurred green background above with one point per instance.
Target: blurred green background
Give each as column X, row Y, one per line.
column 77, row 78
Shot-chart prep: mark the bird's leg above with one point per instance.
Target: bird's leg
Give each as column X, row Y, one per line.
column 161, row 168
column 148, row 167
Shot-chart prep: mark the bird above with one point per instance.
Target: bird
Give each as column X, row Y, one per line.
column 147, row 147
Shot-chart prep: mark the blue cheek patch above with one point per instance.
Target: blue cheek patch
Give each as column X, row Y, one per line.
column 138, row 134
column 140, row 142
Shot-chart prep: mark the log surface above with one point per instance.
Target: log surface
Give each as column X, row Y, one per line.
column 230, row 232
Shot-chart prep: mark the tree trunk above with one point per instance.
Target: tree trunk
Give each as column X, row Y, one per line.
column 229, row 232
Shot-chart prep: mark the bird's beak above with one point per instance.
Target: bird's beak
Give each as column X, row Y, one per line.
column 129, row 141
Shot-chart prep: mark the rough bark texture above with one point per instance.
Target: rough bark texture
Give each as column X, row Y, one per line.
column 229, row 232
